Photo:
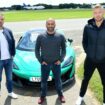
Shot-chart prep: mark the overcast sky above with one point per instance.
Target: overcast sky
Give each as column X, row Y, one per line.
column 6, row 3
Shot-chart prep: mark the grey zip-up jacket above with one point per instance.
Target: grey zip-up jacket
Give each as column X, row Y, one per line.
column 50, row 48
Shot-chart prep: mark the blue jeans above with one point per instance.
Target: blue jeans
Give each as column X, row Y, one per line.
column 45, row 71
column 7, row 65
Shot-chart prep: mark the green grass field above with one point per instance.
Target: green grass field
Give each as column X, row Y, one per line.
column 45, row 14
column 95, row 83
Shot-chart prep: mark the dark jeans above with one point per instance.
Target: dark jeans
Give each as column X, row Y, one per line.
column 7, row 65
column 45, row 71
column 89, row 68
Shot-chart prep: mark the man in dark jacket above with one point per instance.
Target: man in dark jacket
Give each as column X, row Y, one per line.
column 7, row 52
column 50, row 51
column 94, row 47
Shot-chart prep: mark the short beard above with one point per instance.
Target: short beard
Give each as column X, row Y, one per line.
column 1, row 27
column 99, row 20
column 53, row 30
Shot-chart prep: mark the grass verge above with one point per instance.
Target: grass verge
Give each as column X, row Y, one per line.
column 30, row 15
column 95, row 83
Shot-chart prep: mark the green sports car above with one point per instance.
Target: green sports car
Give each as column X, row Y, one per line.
column 27, row 69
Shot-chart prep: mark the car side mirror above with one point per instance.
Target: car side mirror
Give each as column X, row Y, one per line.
column 70, row 40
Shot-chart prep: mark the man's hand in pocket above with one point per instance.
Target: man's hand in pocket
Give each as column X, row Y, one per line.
column 44, row 63
column 58, row 62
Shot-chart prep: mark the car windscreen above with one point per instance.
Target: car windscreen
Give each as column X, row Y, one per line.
column 28, row 41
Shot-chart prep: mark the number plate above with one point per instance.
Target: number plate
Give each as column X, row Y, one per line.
column 38, row 79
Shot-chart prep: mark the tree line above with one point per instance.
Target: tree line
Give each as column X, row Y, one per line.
column 60, row 6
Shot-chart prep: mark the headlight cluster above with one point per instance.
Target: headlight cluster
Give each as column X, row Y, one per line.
column 15, row 66
column 68, row 62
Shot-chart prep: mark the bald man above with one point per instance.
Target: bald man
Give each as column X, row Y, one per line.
column 94, row 47
column 53, row 50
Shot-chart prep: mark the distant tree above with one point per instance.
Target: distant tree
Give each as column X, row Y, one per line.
column 16, row 7
column 72, row 5
column 102, row 3
column 85, row 6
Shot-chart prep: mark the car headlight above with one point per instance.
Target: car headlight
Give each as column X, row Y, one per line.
column 15, row 66
column 68, row 62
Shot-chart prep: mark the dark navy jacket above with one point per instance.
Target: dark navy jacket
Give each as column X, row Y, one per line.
column 94, row 41
column 10, row 39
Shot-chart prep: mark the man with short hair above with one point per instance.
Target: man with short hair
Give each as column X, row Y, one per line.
column 7, row 52
column 50, row 51
column 94, row 47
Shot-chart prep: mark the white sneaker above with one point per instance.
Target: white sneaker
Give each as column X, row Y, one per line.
column 13, row 95
column 103, row 103
column 79, row 100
